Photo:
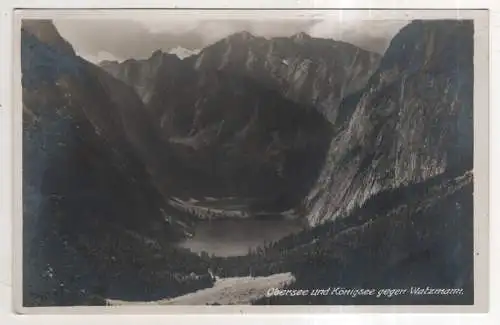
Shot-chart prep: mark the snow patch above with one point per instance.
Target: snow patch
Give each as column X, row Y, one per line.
column 183, row 53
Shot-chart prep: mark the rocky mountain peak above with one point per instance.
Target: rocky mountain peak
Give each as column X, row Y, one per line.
column 157, row 53
column 46, row 32
column 141, row 73
column 241, row 36
column 86, row 155
column 159, row 56
column 301, row 36
column 429, row 44
column 303, row 69
column 412, row 121
column 111, row 182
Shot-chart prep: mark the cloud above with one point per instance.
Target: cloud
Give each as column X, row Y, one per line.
column 101, row 56
column 372, row 35
column 139, row 37
column 122, row 39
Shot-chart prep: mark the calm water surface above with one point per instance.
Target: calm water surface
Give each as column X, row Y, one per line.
column 234, row 237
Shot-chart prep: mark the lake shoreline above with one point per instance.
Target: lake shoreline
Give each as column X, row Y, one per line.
column 236, row 237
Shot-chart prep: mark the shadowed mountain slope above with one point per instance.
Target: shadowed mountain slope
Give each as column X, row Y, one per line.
column 93, row 217
column 413, row 121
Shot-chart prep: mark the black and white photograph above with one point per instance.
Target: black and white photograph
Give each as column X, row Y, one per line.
column 243, row 158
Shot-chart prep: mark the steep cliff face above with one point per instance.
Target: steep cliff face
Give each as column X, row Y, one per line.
column 224, row 130
column 91, row 215
column 230, row 136
column 141, row 74
column 240, row 120
column 312, row 71
column 223, row 113
column 45, row 31
column 306, row 70
column 413, row 120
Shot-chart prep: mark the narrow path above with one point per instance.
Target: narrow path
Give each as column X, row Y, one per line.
column 226, row 291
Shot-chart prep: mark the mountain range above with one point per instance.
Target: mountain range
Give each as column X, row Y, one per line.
column 373, row 153
column 306, row 70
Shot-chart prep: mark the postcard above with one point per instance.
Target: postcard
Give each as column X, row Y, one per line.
column 232, row 160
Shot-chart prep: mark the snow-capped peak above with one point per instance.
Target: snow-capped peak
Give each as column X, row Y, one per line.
column 183, row 53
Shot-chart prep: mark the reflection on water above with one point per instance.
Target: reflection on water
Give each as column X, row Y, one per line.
column 234, row 237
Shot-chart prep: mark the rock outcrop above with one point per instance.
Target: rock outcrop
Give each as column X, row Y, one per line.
column 92, row 214
column 378, row 162
column 309, row 71
column 414, row 120
column 230, row 136
column 141, row 74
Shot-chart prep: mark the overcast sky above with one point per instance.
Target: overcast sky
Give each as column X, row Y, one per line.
column 121, row 39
